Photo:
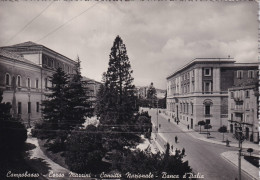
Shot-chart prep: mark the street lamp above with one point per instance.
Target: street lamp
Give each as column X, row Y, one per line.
column 29, row 109
column 240, row 140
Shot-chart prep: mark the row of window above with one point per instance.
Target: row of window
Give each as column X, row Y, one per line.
column 184, row 108
column 50, row 62
column 250, row 74
column 18, row 80
column 240, row 94
column 29, row 106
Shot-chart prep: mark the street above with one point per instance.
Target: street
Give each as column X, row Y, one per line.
column 203, row 157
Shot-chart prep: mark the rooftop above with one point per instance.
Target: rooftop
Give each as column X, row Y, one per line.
column 32, row 44
column 15, row 56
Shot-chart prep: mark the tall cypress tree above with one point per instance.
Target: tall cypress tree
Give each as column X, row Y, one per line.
column 118, row 84
column 116, row 99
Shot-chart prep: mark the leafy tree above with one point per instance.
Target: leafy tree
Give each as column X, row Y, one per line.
column 156, row 163
column 250, row 150
column 207, row 126
column 201, row 123
column 223, row 129
column 79, row 105
column 116, row 99
column 84, row 151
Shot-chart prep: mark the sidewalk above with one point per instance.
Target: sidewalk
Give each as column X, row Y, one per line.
column 249, row 169
column 231, row 156
column 215, row 137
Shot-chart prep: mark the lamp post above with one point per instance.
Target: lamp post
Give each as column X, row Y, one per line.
column 29, row 109
column 240, row 140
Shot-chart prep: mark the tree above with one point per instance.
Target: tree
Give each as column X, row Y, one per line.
column 207, row 126
column 79, row 105
column 117, row 97
column 156, row 163
column 250, row 150
column 84, row 151
column 223, row 129
column 201, row 123
column 55, row 109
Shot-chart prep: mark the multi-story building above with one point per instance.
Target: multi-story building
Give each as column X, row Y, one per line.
column 24, row 76
column 199, row 90
column 92, row 88
column 243, row 106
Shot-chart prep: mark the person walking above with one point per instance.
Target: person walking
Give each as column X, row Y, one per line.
column 176, row 139
column 188, row 126
column 183, row 151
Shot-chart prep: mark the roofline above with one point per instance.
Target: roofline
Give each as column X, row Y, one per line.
column 41, row 46
column 196, row 60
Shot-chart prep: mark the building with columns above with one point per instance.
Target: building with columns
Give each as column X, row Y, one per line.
column 24, row 76
column 199, row 90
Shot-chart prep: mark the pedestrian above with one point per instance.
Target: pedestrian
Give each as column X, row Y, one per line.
column 188, row 127
column 169, row 120
column 172, row 147
column 183, row 151
column 176, row 152
column 159, row 125
column 176, row 139
column 177, row 122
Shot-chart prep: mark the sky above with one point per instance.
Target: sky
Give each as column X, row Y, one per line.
column 160, row 36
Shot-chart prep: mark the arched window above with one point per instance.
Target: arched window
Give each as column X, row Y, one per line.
column 207, row 104
column 7, row 79
column 19, row 81
column 28, row 82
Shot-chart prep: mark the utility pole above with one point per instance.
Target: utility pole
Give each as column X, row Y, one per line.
column 157, row 117
column 240, row 135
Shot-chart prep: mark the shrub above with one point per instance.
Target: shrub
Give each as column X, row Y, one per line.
column 84, row 151
column 13, row 135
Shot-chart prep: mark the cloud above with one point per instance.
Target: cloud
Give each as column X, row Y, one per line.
column 160, row 37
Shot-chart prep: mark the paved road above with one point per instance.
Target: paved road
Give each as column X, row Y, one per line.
column 203, row 157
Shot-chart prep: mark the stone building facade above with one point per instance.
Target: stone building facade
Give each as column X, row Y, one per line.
column 24, row 76
column 199, row 90
column 243, row 105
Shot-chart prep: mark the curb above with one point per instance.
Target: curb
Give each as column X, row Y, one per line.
column 202, row 139
column 231, row 162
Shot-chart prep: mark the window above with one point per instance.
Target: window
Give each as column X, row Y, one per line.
column 207, row 121
column 46, row 83
column 37, row 106
column 207, row 72
column 193, row 73
column 232, row 95
column 191, row 108
column 19, row 108
column 240, row 74
column 29, row 107
column 207, row 86
column 251, row 74
column 28, row 82
column 247, row 94
column 7, row 79
column 37, row 83
column 232, row 105
column 19, row 81
column 207, row 109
